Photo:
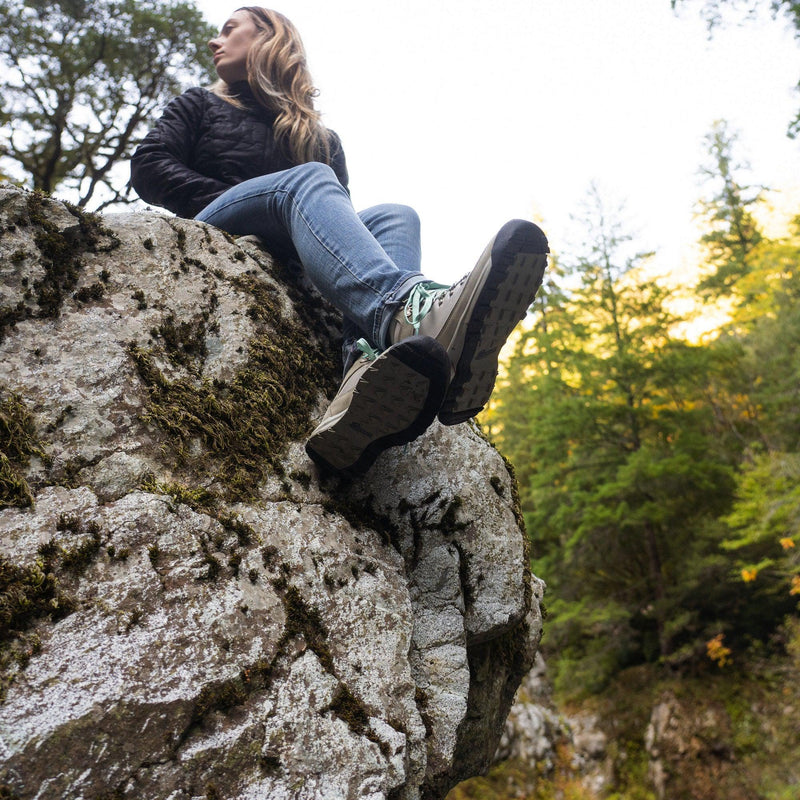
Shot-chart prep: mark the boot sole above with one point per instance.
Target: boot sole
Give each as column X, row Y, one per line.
column 397, row 399
column 514, row 261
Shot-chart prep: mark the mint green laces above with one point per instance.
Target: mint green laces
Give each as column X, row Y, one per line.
column 370, row 353
column 419, row 302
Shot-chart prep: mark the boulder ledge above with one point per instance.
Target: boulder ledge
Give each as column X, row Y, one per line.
column 187, row 608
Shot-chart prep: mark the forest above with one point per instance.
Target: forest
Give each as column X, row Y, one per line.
column 654, row 428
column 659, row 470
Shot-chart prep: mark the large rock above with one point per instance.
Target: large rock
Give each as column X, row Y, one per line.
column 187, row 608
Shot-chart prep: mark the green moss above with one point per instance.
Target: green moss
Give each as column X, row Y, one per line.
column 181, row 234
column 14, row 490
column 245, row 534
column 60, row 254
column 141, row 300
column 361, row 514
column 184, row 343
column 301, row 620
column 303, row 478
column 213, row 564
column 32, row 592
column 197, row 498
column 243, row 426
column 225, row 695
column 89, row 293
column 77, row 558
column 219, row 696
column 234, row 562
column 18, row 442
column 27, row 593
column 269, row 556
column 351, row 710
column 68, row 522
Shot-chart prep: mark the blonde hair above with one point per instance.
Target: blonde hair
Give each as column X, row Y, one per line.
column 280, row 81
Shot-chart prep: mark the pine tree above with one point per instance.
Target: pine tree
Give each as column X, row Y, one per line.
column 731, row 230
column 622, row 467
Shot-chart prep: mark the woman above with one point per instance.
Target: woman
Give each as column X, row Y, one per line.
column 251, row 156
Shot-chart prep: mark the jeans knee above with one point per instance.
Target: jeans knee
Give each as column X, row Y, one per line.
column 408, row 215
column 393, row 214
column 314, row 171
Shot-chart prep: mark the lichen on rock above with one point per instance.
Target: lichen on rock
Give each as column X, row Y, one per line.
column 187, row 608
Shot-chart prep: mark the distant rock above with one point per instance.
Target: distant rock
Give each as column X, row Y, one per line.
column 549, row 742
column 187, row 609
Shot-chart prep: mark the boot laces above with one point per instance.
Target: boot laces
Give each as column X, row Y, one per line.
column 368, row 352
column 420, row 301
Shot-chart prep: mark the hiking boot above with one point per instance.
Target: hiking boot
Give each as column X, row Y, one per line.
column 473, row 318
column 385, row 400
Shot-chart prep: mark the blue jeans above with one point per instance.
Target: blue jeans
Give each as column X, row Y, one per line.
column 364, row 264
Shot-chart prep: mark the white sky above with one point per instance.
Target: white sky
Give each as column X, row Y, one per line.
column 477, row 112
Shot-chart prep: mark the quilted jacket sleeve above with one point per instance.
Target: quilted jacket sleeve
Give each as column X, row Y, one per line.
column 160, row 171
column 338, row 163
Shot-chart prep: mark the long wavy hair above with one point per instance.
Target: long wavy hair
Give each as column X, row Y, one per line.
column 280, row 81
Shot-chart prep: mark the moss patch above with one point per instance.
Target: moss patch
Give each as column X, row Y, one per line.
column 241, row 427
column 302, row 620
column 60, row 254
column 18, row 442
column 32, row 592
column 360, row 513
column 27, row 593
column 351, row 710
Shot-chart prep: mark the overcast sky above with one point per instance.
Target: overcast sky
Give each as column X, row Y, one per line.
column 477, row 112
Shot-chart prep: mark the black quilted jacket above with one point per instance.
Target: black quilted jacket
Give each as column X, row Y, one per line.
column 203, row 145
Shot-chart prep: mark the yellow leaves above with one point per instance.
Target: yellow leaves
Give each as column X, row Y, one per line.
column 717, row 651
column 787, row 543
column 795, row 585
column 749, row 575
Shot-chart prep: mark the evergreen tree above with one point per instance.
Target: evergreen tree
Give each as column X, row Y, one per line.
column 82, row 81
column 762, row 395
column 622, row 466
column 731, row 230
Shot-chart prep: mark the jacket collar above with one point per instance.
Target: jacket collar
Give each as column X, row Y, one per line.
column 244, row 94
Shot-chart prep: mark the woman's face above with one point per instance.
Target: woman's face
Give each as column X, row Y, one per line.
column 231, row 46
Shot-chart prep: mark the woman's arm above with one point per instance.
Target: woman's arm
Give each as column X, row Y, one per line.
column 338, row 163
column 159, row 168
